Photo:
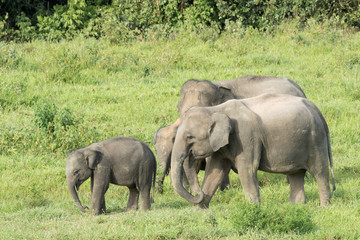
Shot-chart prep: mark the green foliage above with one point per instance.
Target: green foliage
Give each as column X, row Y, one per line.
column 124, row 20
column 26, row 31
column 49, row 118
column 54, row 129
column 202, row 12
column 61, row 129
column 44, row 116
column 272, row 218
column 66, row 21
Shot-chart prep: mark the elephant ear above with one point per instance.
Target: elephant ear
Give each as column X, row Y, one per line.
column 225, row 94
column 220, row 129
column 92, row 157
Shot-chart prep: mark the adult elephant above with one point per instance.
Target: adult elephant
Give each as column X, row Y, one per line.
column 273, row 133
column 206, row 93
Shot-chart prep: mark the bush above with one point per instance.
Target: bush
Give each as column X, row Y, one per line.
column 62, row 131
column 44, row 115
column 272, row 219
column 54, row 130
column 66, row 21
column 123, row 19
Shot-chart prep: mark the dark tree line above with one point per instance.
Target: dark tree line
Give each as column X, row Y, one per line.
column 55, row 19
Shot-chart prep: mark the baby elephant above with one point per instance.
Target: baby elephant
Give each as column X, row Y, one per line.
column 121, row 161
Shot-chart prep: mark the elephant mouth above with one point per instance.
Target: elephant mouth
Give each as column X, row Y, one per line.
column 199, row 156
column 78, row 184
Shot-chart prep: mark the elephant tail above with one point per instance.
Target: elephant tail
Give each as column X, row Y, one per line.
column 153, row 181
column 331, row 163
column 329, row 152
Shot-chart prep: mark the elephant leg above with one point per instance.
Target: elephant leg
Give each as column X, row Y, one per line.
column 103, row 205
column 133, row 199
column 249, row 181
column 247, row 166
column 98, row 198
column 145, row 198
column 324, row 191
column 99, row 187
column 225, row 184
column 322, row 180
column 319, row 169
column 164, row 169
column 297, row 192
column 215, row 171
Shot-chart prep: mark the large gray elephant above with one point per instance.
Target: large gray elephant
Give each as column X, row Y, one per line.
column 163, row 141
column 273, row 133
column 205, row 93
column 121, row 161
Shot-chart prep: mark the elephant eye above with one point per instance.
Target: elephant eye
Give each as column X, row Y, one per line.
column 190, row 139
column 76, row 171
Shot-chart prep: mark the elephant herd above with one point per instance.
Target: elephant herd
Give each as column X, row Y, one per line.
column 246, row 124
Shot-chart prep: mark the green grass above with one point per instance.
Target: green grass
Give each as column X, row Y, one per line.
column 132, row 89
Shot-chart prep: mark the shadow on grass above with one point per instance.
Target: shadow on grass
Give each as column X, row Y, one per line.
column 158, row 205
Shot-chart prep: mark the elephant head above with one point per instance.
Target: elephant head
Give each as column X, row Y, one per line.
column 79, row 167
column 163, row 142
column 200, row 134
column 202, row 93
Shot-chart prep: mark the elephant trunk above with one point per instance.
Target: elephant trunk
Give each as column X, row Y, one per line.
column 191, row 170
column 71, row 186
column 177, row 162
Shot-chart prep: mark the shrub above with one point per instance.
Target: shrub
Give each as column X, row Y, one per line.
column 44, row 115
column 124, row 19
column 272, row 219
column 67, row 21
column 62, row 131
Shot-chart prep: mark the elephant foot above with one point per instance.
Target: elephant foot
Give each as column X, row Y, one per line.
column 159, row 188
column 97, row 213
column 204, row 204
column 325, row 203
column 225, row 184
column 223, row 188
column 131, row 208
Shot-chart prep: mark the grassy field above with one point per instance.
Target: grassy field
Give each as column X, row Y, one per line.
column 55, row 97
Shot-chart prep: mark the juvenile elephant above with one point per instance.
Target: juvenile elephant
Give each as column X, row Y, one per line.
column 205, row 93
column 164, row 140
column 273, row 133
column 121, row 161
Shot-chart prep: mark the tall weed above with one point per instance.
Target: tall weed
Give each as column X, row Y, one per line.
column 271, row 218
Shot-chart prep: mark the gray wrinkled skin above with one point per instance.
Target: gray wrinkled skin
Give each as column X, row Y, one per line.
column 120, row 161
column 205, row 93
column 275, row 133
column 163, row 141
